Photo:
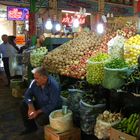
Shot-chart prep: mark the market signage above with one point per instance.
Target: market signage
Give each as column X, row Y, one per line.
column 118, row 10
column 20, row 40
column 68, row 19
column 17, row 13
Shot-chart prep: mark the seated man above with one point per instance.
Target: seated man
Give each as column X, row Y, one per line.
column 41, row 98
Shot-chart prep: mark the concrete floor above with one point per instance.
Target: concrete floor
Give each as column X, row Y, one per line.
column 10, row 118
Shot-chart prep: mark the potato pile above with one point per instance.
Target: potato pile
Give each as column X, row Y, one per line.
column 67, row 58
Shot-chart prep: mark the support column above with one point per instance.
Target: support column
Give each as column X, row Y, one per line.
column 14, row 28
column 32, row 22
column 101, row 5
column 53, row 8
column 135, row 6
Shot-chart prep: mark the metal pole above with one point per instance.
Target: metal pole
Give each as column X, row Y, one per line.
column 32, row 22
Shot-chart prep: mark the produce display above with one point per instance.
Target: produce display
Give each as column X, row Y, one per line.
column 109, row 117
column 68, row 58
column 58, row 120
column 64, row 96
column 95, row 68
column 129, row 125
column 75, row 95
column 37, row 56
column 133, row 76
column 115, row 47
column 104, row 122
column 114, row 72
column 62, row 35
column 116, row 63
column 65, row 93
column 90, row 100
column 132, row 50
column 121, row 22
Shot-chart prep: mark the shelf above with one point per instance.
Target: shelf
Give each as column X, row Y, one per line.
column 52, row 43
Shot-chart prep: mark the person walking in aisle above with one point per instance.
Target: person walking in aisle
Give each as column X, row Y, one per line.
column 5, row 51
column 41, row 98
column 15, row 69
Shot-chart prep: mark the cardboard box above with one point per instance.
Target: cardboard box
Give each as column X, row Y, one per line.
column 51, row 134
column 118, row 135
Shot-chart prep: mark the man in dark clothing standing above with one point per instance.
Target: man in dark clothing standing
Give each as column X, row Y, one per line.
column 41, row 98
column 5, row 51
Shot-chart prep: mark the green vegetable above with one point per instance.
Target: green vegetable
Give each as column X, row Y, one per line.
column 37, row 56
column 116, row 63
column 95, row 68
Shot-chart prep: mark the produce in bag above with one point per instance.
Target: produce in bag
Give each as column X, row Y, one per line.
column 88, row 115
column 64, row 96
column 114, row 72
column 104, row 122
column 116, row 47
column 132, row 50
column 37, row 56
column 60, row 121
column 74, row 97
column 95, row 68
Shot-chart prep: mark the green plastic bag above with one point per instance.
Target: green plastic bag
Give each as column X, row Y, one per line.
column 113, row 78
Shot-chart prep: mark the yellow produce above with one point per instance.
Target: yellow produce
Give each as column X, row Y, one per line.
column 132, row 50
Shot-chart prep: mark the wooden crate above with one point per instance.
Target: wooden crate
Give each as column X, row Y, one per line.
column 51, row 134
column 118, row 135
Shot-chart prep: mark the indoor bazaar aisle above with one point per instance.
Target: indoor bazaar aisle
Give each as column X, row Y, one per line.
column 10, row 118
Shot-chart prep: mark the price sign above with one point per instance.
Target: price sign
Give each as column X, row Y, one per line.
column 20, row 40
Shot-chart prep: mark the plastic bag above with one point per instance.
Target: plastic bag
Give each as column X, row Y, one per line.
column 75, row 95
column 88, row 115
column 113, row 78
column 61, row 122
column 116, row 47
column 95, row 72
column 102, row 129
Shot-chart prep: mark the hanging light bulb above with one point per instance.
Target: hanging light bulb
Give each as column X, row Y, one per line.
column 58, row 27
column 76, row 23
column 48, row 24
column 100, row 28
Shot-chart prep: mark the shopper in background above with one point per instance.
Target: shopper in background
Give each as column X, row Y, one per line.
column 41, row 98
column 14, row 50
column 5, row 51
column 12, row 41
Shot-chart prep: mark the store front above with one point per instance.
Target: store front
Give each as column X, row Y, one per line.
column 4, row 23
column 75, row 21
column 17, row 19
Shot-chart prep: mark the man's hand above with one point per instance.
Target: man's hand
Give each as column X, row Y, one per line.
column 31, row 111
column 34, row 114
